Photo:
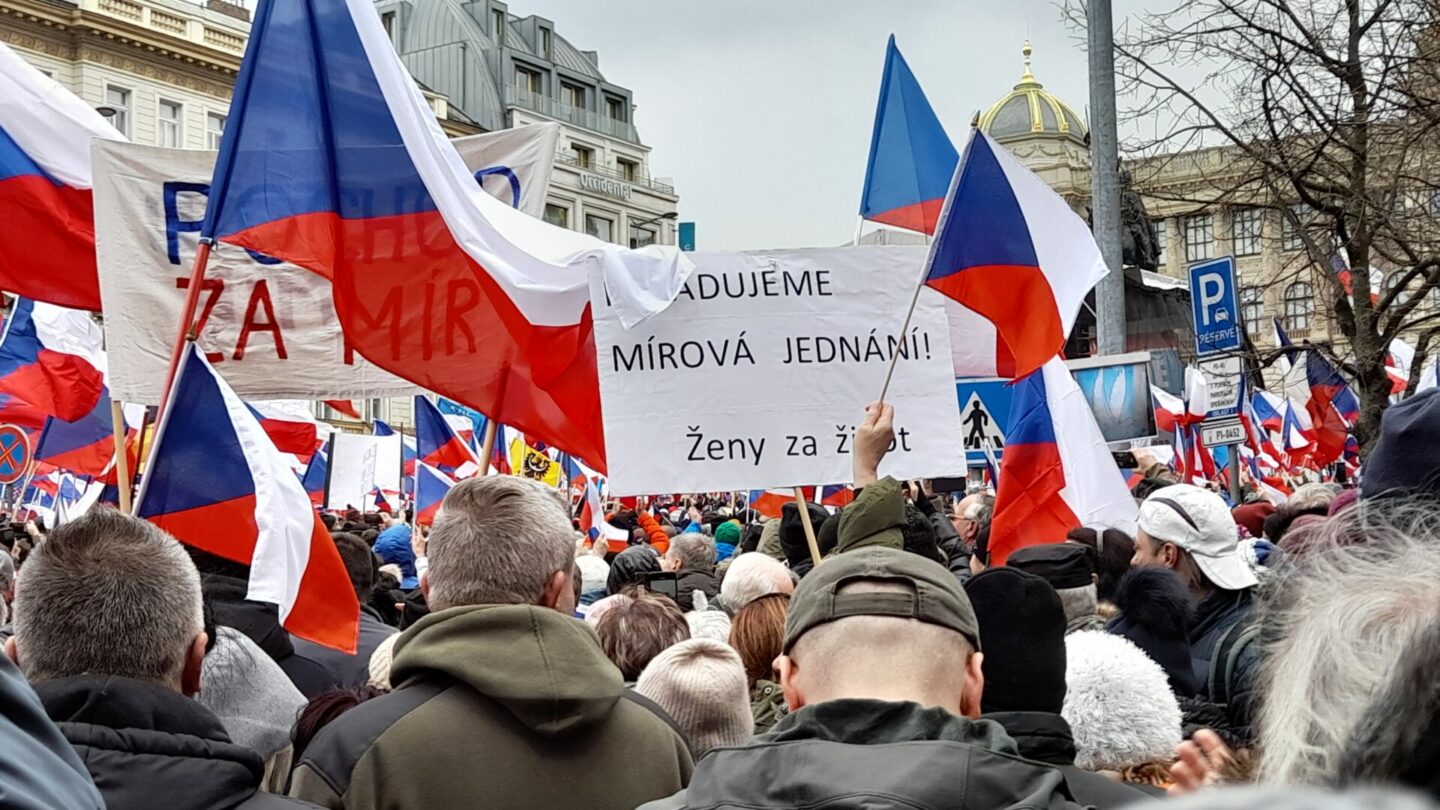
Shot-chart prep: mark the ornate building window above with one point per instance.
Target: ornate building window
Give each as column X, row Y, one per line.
column 1252, row 307
column 1299, row 306
column 1199, row 237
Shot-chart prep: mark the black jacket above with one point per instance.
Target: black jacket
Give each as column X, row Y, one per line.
column 38, row 768
column 352, row 670
column 691, row 581
column 149, row 747
column 261, row 622
column 1214, row 617
column 1047, row 738
column 872, row 753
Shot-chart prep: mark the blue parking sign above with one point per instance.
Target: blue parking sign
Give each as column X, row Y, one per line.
column 1213, row 303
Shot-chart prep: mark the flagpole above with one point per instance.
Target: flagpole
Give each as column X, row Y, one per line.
column 122, row 458
column 186, row 329
column 487, row 446
column 804, row 509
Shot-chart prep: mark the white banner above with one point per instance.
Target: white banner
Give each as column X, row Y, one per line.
column 757, row 375
column 269, row 328
column 359, row 464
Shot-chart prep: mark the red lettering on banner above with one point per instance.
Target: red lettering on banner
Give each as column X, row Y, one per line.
column 427, row 348
column 215, row 287
column 389, row 311
column 454, row 309
column 260, row 298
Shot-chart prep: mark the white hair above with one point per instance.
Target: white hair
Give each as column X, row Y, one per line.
column 498, row 541
column 696, row 552
column 752, row 576
column 1336, row 625
column 107, row 594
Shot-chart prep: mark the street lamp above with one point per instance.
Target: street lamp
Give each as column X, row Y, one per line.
column 635, row 243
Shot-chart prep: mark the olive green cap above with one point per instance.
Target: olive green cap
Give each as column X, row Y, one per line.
column 938, row 598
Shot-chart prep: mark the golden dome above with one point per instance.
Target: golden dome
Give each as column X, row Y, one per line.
column 1028, row 110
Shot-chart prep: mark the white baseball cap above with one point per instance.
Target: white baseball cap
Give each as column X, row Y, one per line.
column 1199, row 522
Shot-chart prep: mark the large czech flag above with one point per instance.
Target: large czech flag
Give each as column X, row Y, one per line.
column 1057, row 473
column 437, row 443
column 52, row 358
column 333, row 160
column 216, row 482
column 47, row 235
column 1011, row 250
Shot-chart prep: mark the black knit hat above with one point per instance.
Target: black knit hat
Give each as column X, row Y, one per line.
column 1406, row 457
column 1063, row 565
column 792, row 531
column 1022, row 631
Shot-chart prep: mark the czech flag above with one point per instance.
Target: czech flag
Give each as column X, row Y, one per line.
column 1268, row 409
column 436, row 442
column 1056, row 473
column 52, row 358
column 431, row 485
column 1398, row 359
column 290, row 424
column 1325, row 399
column 593, row 524
column 344, row 407
column 381, row 503
column 1011, row 250
column 47, row 236
column 433, row 278
column 838, row 496
column 768, row 502
column 911, row 157
column 314, row 478
column 86, row 446
column 215, row 481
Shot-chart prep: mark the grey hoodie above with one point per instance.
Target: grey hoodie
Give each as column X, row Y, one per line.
column 497, row 706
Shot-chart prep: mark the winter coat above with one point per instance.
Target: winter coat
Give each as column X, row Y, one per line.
column 767, row 705
column 38, row 768
column 1047, row 738
column 630, row 567
column 1155, row 614
column 691, row 581
column 352, row 670
column 1215, row 616
column 500, row 706
column 394, row 548
column 249, row 693
column 874, row 518
column 261, row 623
column 873, row 753
column 148, row 747
column 653, row 532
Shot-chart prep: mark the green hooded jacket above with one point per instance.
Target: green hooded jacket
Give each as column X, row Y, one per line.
column 874, row 518
column 498, row 706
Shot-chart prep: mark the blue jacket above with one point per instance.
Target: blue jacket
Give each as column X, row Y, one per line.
column 393, row 546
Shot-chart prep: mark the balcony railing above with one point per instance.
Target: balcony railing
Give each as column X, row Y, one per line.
column 176, row 19
column 580, row 117
column 636, row 179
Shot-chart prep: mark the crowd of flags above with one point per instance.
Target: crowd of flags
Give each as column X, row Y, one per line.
column 243, row 480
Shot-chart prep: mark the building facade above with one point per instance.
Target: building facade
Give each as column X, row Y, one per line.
column 163, row 72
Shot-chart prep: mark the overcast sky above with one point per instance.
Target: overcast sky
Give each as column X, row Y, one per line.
column 761, row 110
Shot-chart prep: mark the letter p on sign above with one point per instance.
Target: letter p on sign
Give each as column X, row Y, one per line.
column 1212, row 292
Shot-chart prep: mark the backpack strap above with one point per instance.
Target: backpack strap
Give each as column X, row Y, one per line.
column 1227, row 657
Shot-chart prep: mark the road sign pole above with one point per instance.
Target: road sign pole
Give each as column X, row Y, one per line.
column 1235, row 489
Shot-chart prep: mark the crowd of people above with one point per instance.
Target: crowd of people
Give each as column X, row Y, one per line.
column 507, row 660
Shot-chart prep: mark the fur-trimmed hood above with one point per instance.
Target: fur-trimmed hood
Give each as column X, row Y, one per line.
column 1118, row 703
column 1156, row 615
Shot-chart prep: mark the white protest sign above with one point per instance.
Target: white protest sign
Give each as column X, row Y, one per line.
column 359, row 464
column 268, row 327
column 758, row 373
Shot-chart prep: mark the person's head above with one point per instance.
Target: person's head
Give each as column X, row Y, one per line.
column 701, row 685
column 324, row 709
column 359, row 564
column 1113, row 550
column 909, row 616
column 972, row 514
column 1190, row 530
column 1070, row 570
column 501, row 540
column 690, row 552
column 635, row 630
column 1118, row 703
column 757, row 632
column 752, row 576
column 630, row 566
column 919, row 535
column 110, row 594
column 1340, row 624
column 792, row 531
column 1252, row 516
column 1311, row 499
column 1022, row 628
